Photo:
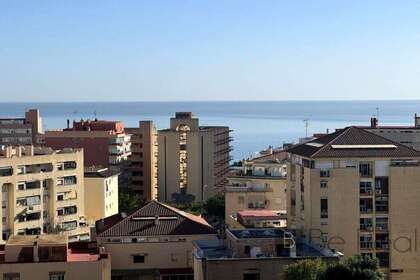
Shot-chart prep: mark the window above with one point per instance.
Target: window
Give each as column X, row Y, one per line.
column 324, row 184
column 365, row 188
column 252, row 276
column 138, row 259
column 365, row 169
column 57, row 275
column 247, row 249
column 323, row 173
column 324, row 208
column 11, row 276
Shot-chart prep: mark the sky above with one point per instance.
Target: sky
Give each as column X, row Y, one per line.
column 197, row 50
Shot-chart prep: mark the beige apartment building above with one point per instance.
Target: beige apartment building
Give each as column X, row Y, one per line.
column 51, row 257
column 253, row 254
column 101, row 193
column 193, row 160
column 143, row 160
column 154, row 242
column 42, row 192
column 21, row 131
column 357, row 192
column 259, row 184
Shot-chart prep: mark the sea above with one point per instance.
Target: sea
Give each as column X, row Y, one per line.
column 255, row 124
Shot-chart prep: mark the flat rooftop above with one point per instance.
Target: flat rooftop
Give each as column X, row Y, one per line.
column 30, row 240
column 258, row 233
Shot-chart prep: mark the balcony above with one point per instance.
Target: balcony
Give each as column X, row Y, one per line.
column 383, row 245
column 366, row 245
column 245, row 188
column 6, row 171
column 366, row 227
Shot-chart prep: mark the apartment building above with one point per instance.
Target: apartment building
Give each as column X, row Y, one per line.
column 193, row 160
column 105, row 143
column 52, row 257
column 259, row 184
column 154, row 242
column 253, row 254
column 21, row 131
column 407, row 135
column 143, row 160
column 101, row 193
column 357, row 192
column 42, row 192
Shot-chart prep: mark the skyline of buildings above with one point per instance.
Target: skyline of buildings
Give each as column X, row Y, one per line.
column 357, row 184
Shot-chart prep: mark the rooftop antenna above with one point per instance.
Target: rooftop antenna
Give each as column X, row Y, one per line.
column 306, row 121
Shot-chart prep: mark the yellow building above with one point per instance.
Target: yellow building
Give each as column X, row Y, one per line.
column 357, row 192
column 193, row 160
column 51, row 257
column 42, row 192
column 143, row 160
column 154, row 242
column 256, row 185
column 101, row 193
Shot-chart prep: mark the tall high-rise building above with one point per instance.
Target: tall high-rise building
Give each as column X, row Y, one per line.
column 358, row 192
column 193, row 160
column 42, row 192
column 143, row 160
column 21, row 131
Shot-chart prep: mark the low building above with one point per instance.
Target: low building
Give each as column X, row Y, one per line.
column 101, row 193
column 51, row 257
column 42, row 192
column 253, row 254
column 262, row 218
column 154, row 241
column 21, row 131
column 143, row 160
column 259, row 184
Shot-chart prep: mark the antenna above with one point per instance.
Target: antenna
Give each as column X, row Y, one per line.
column 306, row 121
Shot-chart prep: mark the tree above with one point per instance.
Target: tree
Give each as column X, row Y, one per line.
column 128, row 201
column 215, row 206
column 355, row 268
column 305, row 270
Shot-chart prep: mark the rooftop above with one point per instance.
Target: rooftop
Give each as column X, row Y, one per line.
column 30, row 240
column 154, row 218
column 96, row 172
column 261, row 214
column 352, row 142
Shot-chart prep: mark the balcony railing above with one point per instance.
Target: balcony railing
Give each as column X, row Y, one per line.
column 366, row 245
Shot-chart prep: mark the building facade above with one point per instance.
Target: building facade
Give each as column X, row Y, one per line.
column 154, row 242
column 105, row 143
column 21, row 131
column 51, row 257
column 193, row 160
column 357, row 192
column 143, row 160
column 101, row 193
column 256, row 185
column 42, row 192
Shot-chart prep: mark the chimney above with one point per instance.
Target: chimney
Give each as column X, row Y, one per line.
column 68, row 123
column 328, row 131
column 35, row 248
column 416, row 121
column 373, row 122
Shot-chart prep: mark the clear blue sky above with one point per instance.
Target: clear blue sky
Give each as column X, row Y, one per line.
column 209, row 50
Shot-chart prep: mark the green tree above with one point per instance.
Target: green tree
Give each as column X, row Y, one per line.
column 215, row 206
column 305, row 270
column 356, row 267
column 128, row 201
